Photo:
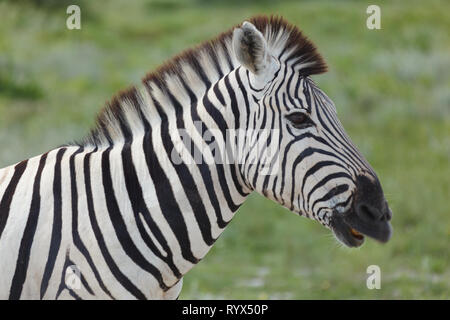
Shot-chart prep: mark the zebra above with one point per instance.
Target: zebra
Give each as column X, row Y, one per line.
column 117, row 211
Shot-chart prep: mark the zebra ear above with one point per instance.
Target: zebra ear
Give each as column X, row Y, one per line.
column 250, row 48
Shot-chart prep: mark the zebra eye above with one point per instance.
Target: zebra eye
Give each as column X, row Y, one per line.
column 300, row 120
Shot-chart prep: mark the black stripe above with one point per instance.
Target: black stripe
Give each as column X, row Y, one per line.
column 306, row 93
column 75, row 234
column 28, row 236
column 343, row 141
column 166, row 198
column 218, row 94
column 332, row 193
column 304, row 154
column 9, row 193
column 86, row 284
column 275, row 158
column 119, row 225
column 247, row 121
column 319, row 165
column 249, row 82
column 222, row 126
column 188, row 183
column 121, row 278
column 57, row 224
column 234, row 171
column 342, row 204
column 204, row 169
column 266, row 143
column 325, row 180
column 244, row 95
column 233, row 101
column 139, row 206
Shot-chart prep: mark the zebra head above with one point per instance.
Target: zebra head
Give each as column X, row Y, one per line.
column 316, row 171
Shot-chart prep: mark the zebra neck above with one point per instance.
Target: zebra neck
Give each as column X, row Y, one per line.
column 180, row 206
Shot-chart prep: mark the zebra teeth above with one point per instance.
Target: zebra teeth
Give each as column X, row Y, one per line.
column 356, row 234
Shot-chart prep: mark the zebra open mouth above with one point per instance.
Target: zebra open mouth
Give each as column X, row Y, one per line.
column 346, row 234
column 351, row 230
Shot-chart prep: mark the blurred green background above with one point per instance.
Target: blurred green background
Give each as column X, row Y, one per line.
column 391, row 88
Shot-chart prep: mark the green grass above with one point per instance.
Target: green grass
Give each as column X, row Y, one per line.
column 391, row 88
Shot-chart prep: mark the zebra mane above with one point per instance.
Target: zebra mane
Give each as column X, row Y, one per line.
column 113, row 122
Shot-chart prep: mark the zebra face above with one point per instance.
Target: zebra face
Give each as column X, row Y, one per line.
column 316, row 170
